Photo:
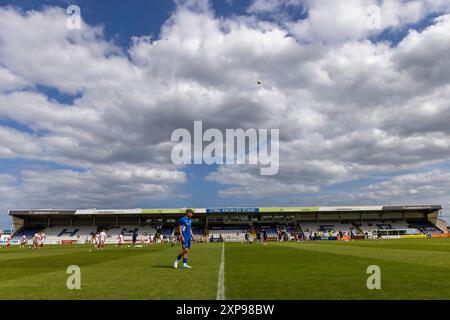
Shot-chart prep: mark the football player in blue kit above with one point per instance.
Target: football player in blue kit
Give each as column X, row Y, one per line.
column 184, row 226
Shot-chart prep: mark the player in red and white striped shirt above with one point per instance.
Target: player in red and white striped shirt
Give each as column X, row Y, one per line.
column 120, row 238
column 41, row 240
column 36, row 238
column 8, row 241
column 102, row 238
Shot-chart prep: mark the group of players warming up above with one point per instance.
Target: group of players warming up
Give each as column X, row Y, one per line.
column 38, row 240
column 99, row 239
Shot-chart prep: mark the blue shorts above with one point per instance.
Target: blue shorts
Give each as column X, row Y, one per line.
column 186, row 244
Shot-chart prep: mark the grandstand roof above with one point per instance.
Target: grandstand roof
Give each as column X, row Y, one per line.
column 216, row 210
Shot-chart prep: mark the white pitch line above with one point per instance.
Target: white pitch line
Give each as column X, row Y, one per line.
column 221, row 280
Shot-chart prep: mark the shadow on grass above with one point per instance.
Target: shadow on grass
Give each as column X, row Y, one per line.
column 163, row 267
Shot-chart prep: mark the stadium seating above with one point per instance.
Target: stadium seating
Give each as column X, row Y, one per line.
column 198, row 233
column 425, row 227
column 127, row 231
column 56, row 234
column 287, row 228
column 28, row 232
column 271, row 232
column 147, row 230
column 86, row 233
column 368, row 226
column 114, row 232
column 236, row 232
column 168, row 232
column 229, row 233
column 388, row 228
column 400, row 225
column 325, row 227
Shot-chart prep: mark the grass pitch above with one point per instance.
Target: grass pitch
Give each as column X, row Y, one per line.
column 410, row 269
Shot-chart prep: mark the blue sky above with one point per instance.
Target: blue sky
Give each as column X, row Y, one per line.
column 86, row 115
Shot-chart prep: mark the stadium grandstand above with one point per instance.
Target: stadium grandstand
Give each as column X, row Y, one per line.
column 233, row 224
